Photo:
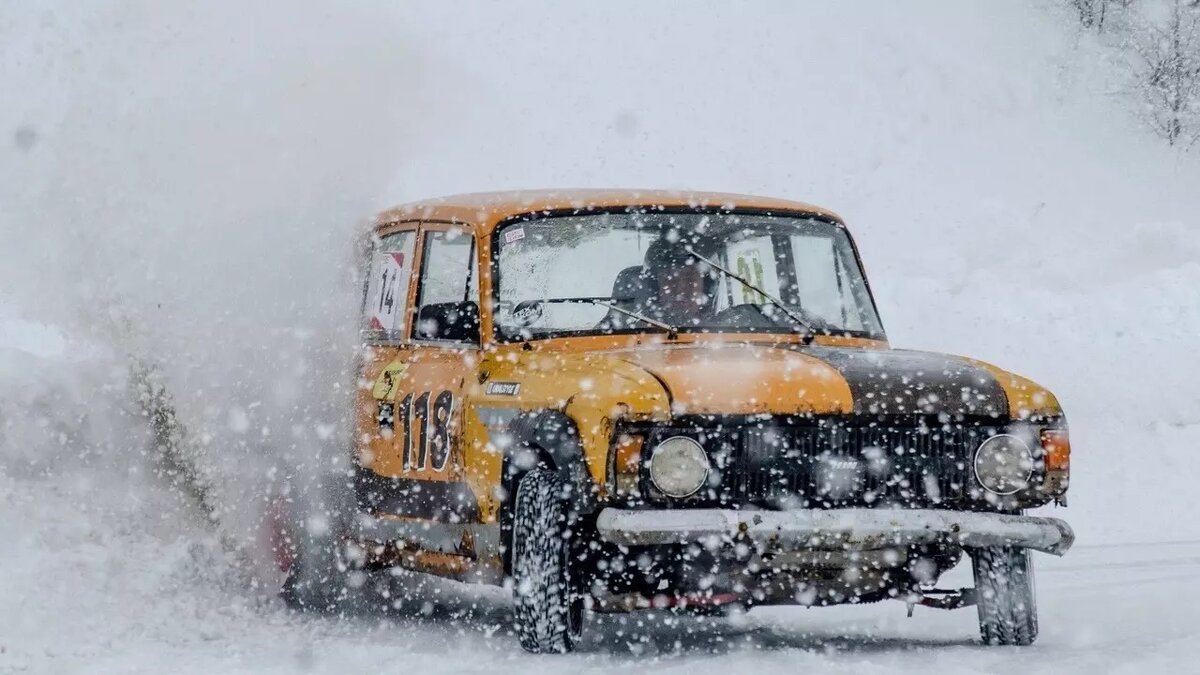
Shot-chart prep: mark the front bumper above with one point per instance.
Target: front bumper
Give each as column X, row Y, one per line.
column 834, row 529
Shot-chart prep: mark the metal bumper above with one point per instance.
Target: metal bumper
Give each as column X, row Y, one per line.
column 835, row 529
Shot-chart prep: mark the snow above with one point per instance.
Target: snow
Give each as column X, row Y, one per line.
column 191, row 199
column 121, row 584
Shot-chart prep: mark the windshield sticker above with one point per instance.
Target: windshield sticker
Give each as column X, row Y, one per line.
column 514, row 234
column 503, row 388
column 749, row 266
column 528, row 314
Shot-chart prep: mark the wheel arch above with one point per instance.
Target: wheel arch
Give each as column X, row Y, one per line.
column 554, row 441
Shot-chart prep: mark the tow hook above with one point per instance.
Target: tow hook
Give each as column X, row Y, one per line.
column 942, row 598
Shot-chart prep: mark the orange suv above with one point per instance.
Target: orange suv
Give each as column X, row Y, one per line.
column 639, row 399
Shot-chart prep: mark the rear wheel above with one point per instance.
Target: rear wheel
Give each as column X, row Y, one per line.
column 549, row 614
column 322, row 575
column 1004, row 588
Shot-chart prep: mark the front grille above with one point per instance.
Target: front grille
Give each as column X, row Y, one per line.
column 827, row 464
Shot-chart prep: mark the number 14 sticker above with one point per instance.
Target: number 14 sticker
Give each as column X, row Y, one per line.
column 389, row 278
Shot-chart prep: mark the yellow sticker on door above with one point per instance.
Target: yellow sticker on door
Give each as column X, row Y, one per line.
column 386, row 383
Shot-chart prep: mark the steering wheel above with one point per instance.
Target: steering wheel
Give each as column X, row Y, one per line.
column 752, row 315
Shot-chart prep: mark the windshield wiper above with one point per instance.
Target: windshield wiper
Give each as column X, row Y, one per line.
column 672, row 331
column 808, row 336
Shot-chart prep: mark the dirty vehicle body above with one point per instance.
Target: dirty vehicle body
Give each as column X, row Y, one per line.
column 538, row 404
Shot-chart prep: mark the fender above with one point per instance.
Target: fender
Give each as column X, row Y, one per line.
column 554, row 435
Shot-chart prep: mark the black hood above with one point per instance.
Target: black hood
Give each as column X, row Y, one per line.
column 902, row 382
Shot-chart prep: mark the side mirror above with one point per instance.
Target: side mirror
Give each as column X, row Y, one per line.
column 451, row 321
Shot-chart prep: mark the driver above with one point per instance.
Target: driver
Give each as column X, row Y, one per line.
column 684, row 295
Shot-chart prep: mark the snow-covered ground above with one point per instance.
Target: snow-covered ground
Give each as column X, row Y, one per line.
column 102, row 580
column 189, row 196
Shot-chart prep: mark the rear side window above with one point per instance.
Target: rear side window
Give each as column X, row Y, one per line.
column 386, row 301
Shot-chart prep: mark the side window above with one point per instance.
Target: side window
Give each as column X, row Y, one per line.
column 384, row 306
column 448, row 306
column 824, row 287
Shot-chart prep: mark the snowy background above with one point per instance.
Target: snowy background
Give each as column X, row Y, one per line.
column 181, row 183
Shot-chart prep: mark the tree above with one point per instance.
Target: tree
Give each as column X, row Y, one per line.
column 1167, row 63
column 1095, row 13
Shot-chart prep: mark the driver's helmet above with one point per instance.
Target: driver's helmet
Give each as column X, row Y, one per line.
column 663, row 256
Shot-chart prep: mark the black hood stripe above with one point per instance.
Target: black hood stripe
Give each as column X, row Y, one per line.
column 901, row 382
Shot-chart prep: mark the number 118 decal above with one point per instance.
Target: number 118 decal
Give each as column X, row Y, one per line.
column 426, row 431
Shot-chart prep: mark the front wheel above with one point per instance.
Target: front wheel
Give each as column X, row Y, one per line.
column 549, row 615
column 1004, row 589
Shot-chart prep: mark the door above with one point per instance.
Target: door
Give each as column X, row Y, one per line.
column 387, row 306
column 418, row 461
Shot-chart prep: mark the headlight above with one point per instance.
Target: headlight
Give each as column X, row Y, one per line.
column 1004, row 464
column 678, row 467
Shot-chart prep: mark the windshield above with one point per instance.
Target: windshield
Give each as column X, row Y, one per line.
column 687, row 272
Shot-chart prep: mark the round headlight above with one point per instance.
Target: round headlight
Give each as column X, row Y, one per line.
column 1004, row 464
column 678, row 466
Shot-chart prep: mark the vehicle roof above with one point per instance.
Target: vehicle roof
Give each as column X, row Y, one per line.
column 484, row 210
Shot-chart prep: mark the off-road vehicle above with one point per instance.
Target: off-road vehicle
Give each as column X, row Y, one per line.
column 639, row 399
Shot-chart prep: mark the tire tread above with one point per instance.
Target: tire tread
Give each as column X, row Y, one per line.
column 542, row 590
column 1007, row 604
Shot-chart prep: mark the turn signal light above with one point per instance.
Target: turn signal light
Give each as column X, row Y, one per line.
column 1057, row 445
column 627, row 464
column 629, row 454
